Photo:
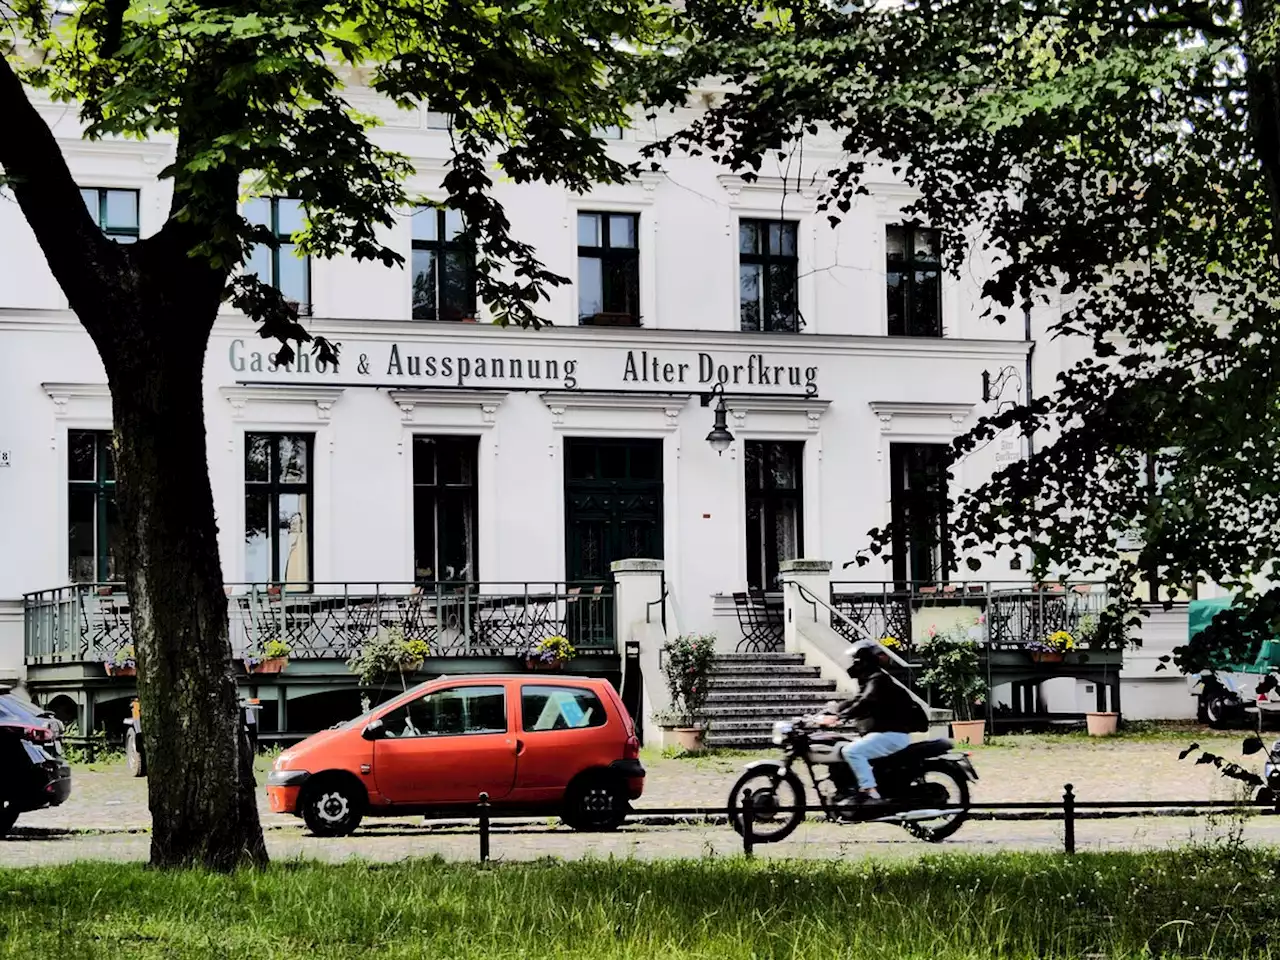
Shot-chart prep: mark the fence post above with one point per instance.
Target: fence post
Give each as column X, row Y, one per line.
column 484, row 828
column 1069, row 819
column 748, row 819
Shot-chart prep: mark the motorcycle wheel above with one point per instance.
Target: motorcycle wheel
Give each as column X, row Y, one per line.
column 768, row 823
column 935, row 831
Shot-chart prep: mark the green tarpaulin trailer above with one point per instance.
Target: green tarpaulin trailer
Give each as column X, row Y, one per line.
column 1231, row 688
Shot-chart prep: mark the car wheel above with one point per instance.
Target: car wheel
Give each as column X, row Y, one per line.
column 134, row 758
column 332, row 806
column 595, row 802
column 8, row 817
column 1219, row 708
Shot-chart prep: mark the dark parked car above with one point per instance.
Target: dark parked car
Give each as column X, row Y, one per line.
column 33, row 773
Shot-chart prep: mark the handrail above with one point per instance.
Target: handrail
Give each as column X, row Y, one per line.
column 807, row 594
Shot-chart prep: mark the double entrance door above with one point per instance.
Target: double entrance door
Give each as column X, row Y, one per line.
column 613, row 504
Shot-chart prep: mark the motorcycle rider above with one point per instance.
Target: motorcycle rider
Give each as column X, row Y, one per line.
column 883, row 712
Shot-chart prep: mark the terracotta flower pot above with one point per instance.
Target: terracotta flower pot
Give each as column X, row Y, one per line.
column 1047, row 656
column 1102, row 724
column 533, row 663
column 411, row 667
column 120, row 671
column 269, row 665
column 690, row 739
column 969, row 731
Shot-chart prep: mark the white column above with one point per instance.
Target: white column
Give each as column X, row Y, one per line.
column 637, row 584
column 801, row 580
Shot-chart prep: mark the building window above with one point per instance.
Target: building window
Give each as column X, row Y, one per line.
column 608, row 269
column 114, row 211
column 913, row 275
column 445, row 504
column 444, row 277
column 277, row 263
column 768, row 275
column 439, row 120
column 775, row 508
column 278, row 483
column 613, row 132
column 92, row 520
column 918, row 505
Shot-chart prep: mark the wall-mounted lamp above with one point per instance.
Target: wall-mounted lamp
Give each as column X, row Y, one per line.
column 720, row 438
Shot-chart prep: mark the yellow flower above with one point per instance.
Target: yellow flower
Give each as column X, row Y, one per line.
column 893, row 643
column 1061, row 640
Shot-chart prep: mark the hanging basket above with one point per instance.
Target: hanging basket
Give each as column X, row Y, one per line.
column 269, row 665
column 114, row 670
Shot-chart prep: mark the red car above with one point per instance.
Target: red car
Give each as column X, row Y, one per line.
column 533, row 743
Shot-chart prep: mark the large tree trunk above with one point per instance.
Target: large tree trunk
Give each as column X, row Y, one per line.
column 200, row 780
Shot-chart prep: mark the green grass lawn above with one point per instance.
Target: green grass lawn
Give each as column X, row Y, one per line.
column 1187, row 903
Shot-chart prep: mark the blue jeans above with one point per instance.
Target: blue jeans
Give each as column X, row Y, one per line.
column 872, row 746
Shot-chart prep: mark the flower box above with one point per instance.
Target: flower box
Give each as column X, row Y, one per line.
column 269, row 665
column 412, row 667
column 533, row 663
column 120, row 670
column 1047, row 656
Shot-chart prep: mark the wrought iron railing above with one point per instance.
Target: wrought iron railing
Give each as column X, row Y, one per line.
column 91, row 622
column 1012, row 614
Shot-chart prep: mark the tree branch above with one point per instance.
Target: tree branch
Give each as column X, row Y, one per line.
column 49, row 198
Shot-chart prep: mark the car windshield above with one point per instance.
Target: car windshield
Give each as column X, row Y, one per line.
column 368, row 714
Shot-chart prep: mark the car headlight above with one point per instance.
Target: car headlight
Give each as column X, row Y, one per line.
column 781, row 730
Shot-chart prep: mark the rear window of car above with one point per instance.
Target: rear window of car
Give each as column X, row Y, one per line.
column 546, row 707
column 11, row 708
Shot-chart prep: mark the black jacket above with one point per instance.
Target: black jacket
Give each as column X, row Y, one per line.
column 883, row 706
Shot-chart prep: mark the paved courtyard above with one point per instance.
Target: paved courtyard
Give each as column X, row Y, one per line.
column 107, row 817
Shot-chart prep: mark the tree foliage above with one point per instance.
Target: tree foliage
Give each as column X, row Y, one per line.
column 1118, row 160
column 257, row 99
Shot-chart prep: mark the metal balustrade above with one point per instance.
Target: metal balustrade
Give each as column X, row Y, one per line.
column 91, row 622
column 1013, row 614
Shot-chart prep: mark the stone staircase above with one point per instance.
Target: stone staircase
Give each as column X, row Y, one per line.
column 749, row 692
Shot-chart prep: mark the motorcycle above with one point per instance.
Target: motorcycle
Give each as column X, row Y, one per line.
column 926, row 786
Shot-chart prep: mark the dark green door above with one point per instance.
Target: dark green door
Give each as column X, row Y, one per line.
column 613, row 504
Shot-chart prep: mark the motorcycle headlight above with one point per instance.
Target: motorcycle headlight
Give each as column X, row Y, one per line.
column 780, row 731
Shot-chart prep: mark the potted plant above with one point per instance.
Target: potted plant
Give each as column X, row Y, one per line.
column 123, row 663
column 953, row 668
column 270, row 657
column 389, row 652
column 1102, row 636
column 686, row 665
column 1053, row 648
column 549, row 653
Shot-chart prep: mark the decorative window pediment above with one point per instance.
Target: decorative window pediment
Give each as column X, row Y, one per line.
column 300, row 403
column 448, row 408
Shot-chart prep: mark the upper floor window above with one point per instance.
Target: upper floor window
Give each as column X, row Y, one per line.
column 278, row 509
column 93, row 522
column 277, row 263
column 444, row 276
column 768, row 275
column 608, row 269
column 438, row 120
column 114, row 211
column 913, row 275
column 613, row 132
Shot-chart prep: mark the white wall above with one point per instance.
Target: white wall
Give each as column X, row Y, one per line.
column 871, row 390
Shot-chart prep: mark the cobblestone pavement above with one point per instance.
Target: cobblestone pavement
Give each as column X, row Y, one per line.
column 107, row 817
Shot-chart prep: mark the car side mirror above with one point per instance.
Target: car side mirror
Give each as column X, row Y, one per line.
column 373, row 730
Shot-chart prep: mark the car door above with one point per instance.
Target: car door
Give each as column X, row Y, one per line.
column 447, row 746
column 562, row 731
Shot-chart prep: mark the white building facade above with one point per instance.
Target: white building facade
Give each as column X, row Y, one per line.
column 446, row 448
